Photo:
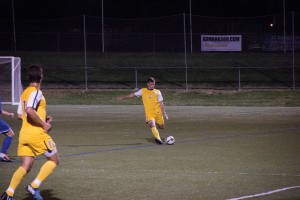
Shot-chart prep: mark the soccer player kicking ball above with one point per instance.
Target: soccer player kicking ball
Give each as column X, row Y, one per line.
column 33, row 139
column 154, row 107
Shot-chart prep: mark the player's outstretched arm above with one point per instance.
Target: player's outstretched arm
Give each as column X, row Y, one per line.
column 126, row 97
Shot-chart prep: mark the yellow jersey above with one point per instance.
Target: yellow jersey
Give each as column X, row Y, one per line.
column 32, row 97
column 151, row 99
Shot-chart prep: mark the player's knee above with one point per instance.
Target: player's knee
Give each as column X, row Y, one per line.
column 53, row 156
column 151, row 123
column 26, row 168
column 27, row 164
column 57, row 160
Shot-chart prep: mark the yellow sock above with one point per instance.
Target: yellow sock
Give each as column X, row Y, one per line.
column 45, row 171
column 155, row 133
column 16, row 180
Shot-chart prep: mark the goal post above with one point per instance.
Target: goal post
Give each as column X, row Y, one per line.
column 10, row 80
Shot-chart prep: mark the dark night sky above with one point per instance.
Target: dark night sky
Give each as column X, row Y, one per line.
column 48, row 9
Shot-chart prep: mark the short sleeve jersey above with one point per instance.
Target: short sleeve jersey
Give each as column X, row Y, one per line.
column 32, row 97
column 151, row 99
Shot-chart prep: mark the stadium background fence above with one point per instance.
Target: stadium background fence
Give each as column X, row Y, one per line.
column 77, row 54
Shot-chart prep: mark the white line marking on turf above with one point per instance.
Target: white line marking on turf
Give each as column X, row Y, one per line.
column 266, row 193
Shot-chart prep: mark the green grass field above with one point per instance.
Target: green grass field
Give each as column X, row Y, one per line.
column 107, row 152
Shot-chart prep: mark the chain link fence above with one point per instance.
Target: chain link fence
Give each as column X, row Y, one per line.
column 78, row 53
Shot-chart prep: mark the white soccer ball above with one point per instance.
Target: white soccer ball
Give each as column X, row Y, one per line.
column 170, row 140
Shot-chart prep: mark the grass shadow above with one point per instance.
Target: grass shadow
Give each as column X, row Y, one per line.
column 46, row 194
column 151, row 140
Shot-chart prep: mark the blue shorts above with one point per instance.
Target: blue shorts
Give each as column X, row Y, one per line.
column 4, row 127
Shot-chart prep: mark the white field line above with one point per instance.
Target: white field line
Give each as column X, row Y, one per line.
column 265, row 193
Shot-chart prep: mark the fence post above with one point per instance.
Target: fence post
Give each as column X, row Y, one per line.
column 84, row 43
column 14, row 26
column 239, row 77
column 58, row 42
column 185, row 62
column 191, row 29
column 136, row 85
column 293, row 47
column 154, row 41
column 102, row 27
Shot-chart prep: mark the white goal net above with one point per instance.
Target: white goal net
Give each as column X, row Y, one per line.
column 10, row 80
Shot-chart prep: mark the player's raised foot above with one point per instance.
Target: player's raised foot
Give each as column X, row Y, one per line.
column 157, row 141
column 5, row 158
column 5, row 196
column 35, row 192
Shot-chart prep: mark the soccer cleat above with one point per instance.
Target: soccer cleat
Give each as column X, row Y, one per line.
column 5, row 196
column 157, row 141
column 35, row 192
column 5, row 158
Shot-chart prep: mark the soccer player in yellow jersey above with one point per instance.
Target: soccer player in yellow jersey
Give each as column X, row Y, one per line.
column 33, row 138
column 154, row 107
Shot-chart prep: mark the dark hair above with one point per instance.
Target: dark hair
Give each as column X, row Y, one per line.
column 151, row 79
column 35, row 73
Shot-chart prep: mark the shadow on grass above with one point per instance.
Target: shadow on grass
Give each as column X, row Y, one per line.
column 151, row 140
column 46, row 194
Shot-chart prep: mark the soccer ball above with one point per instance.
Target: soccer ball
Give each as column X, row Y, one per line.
column 170, row 140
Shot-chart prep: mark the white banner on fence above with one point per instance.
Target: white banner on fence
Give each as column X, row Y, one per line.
column 221, row 43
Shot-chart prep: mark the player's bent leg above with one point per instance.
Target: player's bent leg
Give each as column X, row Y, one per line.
column 47, row 169
column 52, row 156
